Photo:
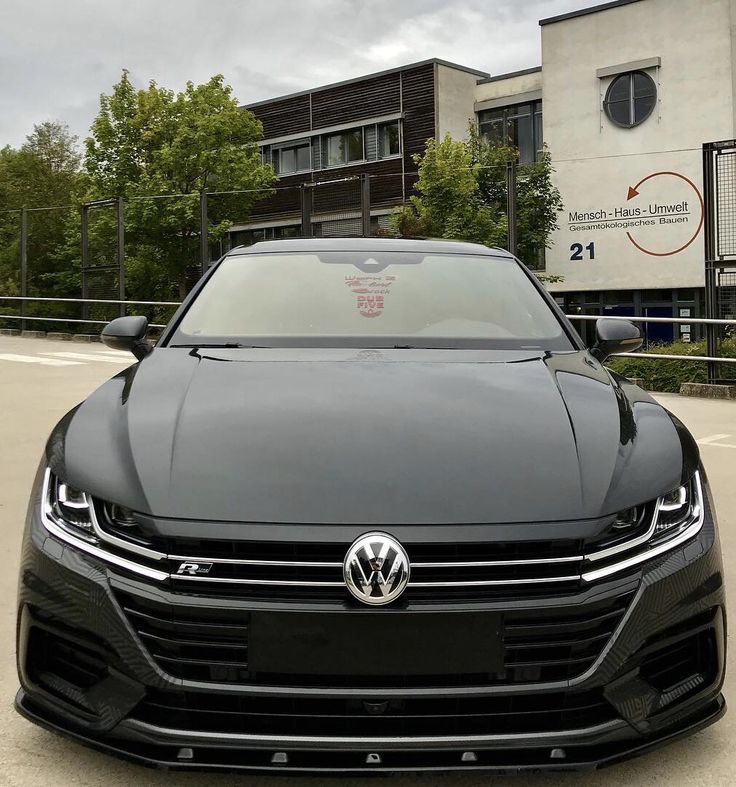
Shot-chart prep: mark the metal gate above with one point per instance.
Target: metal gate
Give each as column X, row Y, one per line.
column 719, row 192
column 103, row 278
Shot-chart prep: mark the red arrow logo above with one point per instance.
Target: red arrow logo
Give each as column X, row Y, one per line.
column 634, row 193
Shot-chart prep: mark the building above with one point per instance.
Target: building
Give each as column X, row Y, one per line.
column 625, row 97
column 625, row 119
column 373, row 125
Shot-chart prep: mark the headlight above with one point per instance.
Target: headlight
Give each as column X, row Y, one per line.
column 70, row 509
column 677, row 510
column 106, row 531
column 629, row 519
column 75, row 512
column 671, row 520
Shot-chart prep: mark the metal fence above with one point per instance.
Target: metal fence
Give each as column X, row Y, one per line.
column 25, row 321
column 96, row 268
column 719, row 192
column 171, row 305
column 343, row 206
column 713, row 322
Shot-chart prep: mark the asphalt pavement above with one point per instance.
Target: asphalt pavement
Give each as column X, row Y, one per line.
column 41, row 379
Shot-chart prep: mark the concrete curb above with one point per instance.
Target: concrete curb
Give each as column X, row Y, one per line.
column 85, row 337
column 708, row 391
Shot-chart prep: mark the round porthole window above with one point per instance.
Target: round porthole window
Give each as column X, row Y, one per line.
column 630, row 99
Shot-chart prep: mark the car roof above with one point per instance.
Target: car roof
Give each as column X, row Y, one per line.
column 368, row 245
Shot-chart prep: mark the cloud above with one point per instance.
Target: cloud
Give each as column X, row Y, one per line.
column 56, row 58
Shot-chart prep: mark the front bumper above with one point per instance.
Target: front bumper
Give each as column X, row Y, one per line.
column 87, row 671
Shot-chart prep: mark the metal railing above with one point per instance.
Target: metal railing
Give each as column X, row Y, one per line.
column 572, row 317
column 672, row 320
column 25, row 318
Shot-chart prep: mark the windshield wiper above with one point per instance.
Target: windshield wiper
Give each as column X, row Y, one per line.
column 223, row 345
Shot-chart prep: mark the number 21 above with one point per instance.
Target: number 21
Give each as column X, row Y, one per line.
column 577, row 251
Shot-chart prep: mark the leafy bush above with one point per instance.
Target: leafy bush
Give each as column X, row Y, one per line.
column 661, row 375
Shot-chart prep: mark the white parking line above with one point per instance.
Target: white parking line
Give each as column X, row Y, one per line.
column 36, row 359
column 713, row 440
column 90, row 357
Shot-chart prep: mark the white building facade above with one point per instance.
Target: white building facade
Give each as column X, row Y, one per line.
column 627, row 94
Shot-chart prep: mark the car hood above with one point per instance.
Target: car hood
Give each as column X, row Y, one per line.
column 371, row 437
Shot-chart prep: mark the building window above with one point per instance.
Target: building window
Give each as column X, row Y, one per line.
column 519, row 126
column 364, row 143
column 249, row 237
column 630, row 99
column 343, row 148
column 388, row 140
column 288, row 160
column 292, row 231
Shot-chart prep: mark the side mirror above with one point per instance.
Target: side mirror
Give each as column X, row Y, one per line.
column 127, row 333
column 615, row 336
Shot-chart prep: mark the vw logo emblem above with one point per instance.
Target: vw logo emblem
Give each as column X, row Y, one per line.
column 376, row 569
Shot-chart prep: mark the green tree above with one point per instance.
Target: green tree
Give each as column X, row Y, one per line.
column 462, row 195
column 43, row 173
column 152, row 142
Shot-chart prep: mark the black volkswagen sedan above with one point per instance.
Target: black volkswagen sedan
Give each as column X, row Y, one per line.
column 371, row 505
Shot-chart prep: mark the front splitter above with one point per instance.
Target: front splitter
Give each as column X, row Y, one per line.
column 280, row 758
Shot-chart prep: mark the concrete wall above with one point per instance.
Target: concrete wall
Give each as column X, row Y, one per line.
column 455, row 91
column 652, row 237
column 508, row 88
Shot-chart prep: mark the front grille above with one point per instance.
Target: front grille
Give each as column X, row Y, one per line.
column 211, row 644
column 559, row 644
column 470, row 571
column 397, row 717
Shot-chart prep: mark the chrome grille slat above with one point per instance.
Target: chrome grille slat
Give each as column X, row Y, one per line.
column 275, row 569
column 335, row 565
column 448, row 584
column 495, row 563
column 241, row 562
column 494, row 582
column 267, row 582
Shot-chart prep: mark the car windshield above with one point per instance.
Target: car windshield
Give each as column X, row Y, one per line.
column 390, row 299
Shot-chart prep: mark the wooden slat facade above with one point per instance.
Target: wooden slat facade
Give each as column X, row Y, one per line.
column 284, row 116
column 357, row 101
column 408, row 92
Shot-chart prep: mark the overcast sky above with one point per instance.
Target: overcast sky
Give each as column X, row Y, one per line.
column 57, row 56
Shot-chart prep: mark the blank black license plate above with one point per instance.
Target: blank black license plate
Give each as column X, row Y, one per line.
column 375, row 643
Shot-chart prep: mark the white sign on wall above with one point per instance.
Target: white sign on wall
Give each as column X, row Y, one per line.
column 642, row 215
column 629, row 224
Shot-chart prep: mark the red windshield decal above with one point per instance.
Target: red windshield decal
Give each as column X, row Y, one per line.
column 371, row 292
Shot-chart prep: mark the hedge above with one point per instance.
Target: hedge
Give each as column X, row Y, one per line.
column 661, row 375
